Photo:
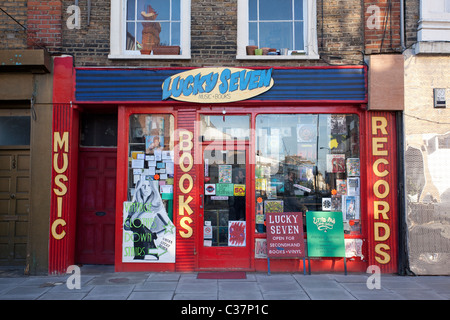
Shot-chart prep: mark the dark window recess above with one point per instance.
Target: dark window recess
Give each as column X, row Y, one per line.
column 15, row 131
column 98, row 130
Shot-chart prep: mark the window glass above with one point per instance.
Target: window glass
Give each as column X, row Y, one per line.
column 152, row 23
column 308, row 163
column 276, row 24
column 151, row 160
column 15, row 130
column 225, row 127
column 98, row 130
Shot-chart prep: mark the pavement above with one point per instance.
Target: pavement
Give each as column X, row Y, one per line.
column 102, row 283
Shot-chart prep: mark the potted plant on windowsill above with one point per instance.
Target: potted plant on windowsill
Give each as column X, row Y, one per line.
column 166, row 50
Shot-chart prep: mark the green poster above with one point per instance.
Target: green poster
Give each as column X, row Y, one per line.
column 224, row 189
column 325, row 234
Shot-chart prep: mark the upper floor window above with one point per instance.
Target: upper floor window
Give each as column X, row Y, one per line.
column 150, row 29
column 284, row 29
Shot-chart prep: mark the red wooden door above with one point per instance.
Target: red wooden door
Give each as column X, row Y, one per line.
column 96, row 206
column 225, row 219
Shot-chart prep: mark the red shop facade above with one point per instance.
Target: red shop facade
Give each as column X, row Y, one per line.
column 174, row 169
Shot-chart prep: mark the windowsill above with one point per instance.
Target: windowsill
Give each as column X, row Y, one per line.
column 148, row 57
column 285, row 57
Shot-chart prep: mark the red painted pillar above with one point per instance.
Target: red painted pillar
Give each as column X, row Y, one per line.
column 64, row 160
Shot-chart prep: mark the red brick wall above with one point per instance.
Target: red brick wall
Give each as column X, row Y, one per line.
column 385, row 38
column 45, row 25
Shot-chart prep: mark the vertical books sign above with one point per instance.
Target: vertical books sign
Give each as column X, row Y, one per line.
column 285, row 235
column 325, row 231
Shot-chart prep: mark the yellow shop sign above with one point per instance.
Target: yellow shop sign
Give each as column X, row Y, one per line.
column 217, row 85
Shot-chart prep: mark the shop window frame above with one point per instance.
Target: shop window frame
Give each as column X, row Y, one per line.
column 118, row 34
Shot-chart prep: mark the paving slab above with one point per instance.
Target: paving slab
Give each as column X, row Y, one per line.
column 110, row 292
column 24, row 293
column 154, row 295
column 198, row 296
column 197, row 287
column 157, row 286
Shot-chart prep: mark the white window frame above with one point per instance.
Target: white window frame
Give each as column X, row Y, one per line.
column 310, row 28
column 434, row 23
column 118, row 34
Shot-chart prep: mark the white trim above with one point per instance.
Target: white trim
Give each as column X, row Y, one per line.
column 117, row 39
column 310, row 27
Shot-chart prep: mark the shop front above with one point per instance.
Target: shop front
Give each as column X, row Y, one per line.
column 203, row 155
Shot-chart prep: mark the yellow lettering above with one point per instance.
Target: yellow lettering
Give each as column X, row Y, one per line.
column 55, row 224
column 387, row 231
column 190, row 162
column 377, row 146
column 185, row 223
column 184, row 205
column 61, row 185
column 375, row 167
column 379, row 123
column 376, row 189
column 65, row 163
column 186, row 142
column 190, row 185
column 385, row 256
column 384, row 210
column 59, row 143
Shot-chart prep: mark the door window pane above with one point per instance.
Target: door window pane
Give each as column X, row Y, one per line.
column 15, row 130
column 98, row 130
column 308, row 162
column 225, row 194
column 217, row 128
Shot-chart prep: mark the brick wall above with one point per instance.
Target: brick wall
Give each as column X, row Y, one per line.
column 342, row 32
column 12, row 35
column 44, row 25
column 386, row 37
column 214, row 34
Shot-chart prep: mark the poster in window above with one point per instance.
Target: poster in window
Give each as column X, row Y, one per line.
column 338, row 124
column 335, row 163
column 353, row 167
column 350, row 207
column 148, row 232
column 273, row 206
column 336, row 203
column 353, row 186
column 341, row 187
column 153, row 143
column 236, row 233
column 306, row 133
column 225, row 172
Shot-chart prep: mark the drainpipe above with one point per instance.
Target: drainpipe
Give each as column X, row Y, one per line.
column 402, row 24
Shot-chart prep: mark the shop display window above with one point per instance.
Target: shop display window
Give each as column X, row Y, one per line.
column 308, row 162
column 151, row 162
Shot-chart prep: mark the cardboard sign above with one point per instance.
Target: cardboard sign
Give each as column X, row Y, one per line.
column 285, row 235
column 239, row 190
column 325, row 232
